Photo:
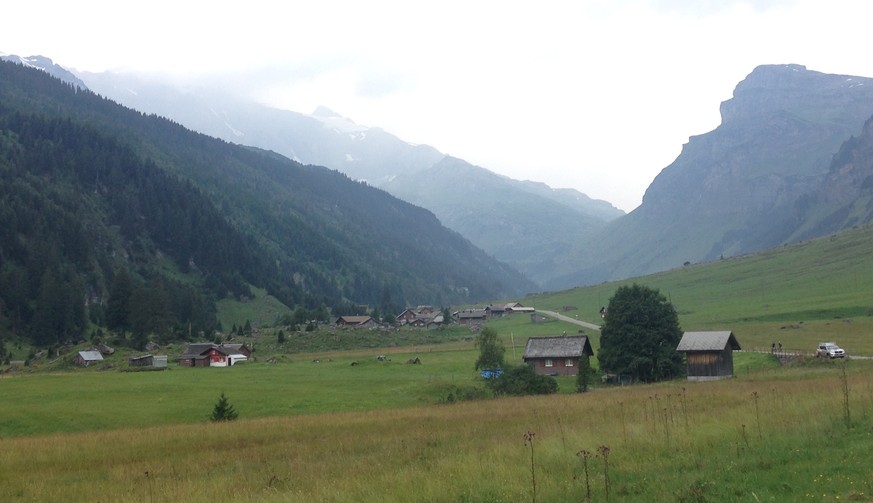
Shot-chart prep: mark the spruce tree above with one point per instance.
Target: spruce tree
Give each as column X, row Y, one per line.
column 223, row 410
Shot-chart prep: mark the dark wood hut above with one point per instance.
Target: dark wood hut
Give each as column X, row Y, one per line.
column 141, row 361
column 558, row 355
column 709, row 355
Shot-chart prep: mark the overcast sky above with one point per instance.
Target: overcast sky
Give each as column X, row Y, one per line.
column 595, row 95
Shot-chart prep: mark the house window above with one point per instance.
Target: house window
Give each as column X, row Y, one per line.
column 549, row 362
column 569, row 362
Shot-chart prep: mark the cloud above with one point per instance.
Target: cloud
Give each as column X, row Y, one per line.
column 379, row 84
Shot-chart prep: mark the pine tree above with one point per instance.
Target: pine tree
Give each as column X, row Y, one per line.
column 583, row 377
column 223, row 410
column 118, row 304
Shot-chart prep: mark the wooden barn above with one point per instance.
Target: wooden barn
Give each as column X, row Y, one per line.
column 709, row 355
column 558, row 355
column 85, row 358
column 141, row 361
column 157, row 361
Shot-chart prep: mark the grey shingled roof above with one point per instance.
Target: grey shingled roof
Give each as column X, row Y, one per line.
column 708, row 341
column 572, row 346
column 91, row 356
column 197, row 350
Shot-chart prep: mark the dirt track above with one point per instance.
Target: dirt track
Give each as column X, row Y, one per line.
column 568, row 319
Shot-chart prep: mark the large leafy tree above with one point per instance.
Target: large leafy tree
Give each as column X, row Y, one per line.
column 640, row 335
column 491, row 350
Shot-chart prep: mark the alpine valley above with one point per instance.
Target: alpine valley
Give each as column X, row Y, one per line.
column 103, row 202
column 786, row 164
column 93, row 187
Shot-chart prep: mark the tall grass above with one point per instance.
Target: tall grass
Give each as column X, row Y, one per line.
column 470, row 451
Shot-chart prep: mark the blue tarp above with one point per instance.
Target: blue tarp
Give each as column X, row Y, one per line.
column 491, row 373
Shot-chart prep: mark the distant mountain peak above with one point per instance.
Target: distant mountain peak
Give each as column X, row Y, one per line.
column 47, row 65
column 335, row 121
column 323, row 112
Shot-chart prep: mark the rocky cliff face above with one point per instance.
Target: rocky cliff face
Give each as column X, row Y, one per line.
column 845, row 198
column 736, row 189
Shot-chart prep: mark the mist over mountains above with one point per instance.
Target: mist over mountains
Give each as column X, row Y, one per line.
column 785, row 164
column 494, row 212
column 93, row 192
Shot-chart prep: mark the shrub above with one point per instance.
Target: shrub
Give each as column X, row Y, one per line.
column 522, row 380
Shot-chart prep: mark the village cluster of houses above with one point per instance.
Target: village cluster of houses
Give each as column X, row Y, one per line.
column 708, row 355
column 201, row 354
column 429, row 318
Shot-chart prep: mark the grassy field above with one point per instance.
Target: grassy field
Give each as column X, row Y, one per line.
column 777, row 434
column 315, row 427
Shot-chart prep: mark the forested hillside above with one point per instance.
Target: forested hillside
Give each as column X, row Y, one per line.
column 496, row 213
column 131, row 222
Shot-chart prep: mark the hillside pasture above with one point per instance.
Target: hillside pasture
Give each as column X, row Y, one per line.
column 800, row 294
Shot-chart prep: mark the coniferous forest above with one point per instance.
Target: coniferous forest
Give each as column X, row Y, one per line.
column 113, row 219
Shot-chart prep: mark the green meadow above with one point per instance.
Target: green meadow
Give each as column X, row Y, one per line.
column 328, row 422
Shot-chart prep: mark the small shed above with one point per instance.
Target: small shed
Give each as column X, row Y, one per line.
column 709, row 355
column 558, row 355
column 141, row 361
column 85, row 358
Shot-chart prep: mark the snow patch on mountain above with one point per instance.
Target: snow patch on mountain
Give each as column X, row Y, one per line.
column 333, row 120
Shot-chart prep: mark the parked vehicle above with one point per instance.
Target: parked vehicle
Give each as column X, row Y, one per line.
column 829, row 350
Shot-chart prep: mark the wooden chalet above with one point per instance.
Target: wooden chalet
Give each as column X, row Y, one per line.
column 472, row 317
column 408, row 315
column 558, row 355
column 208, row 354
column 420, row 317
column 709, row 355
column 197, row 355
column 516, row 307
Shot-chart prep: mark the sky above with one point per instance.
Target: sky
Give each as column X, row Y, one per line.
column 595, row 95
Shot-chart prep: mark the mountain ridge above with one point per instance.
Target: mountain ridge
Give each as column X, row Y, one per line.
column 734, row 190
column 326, row 138
column 184, row 212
